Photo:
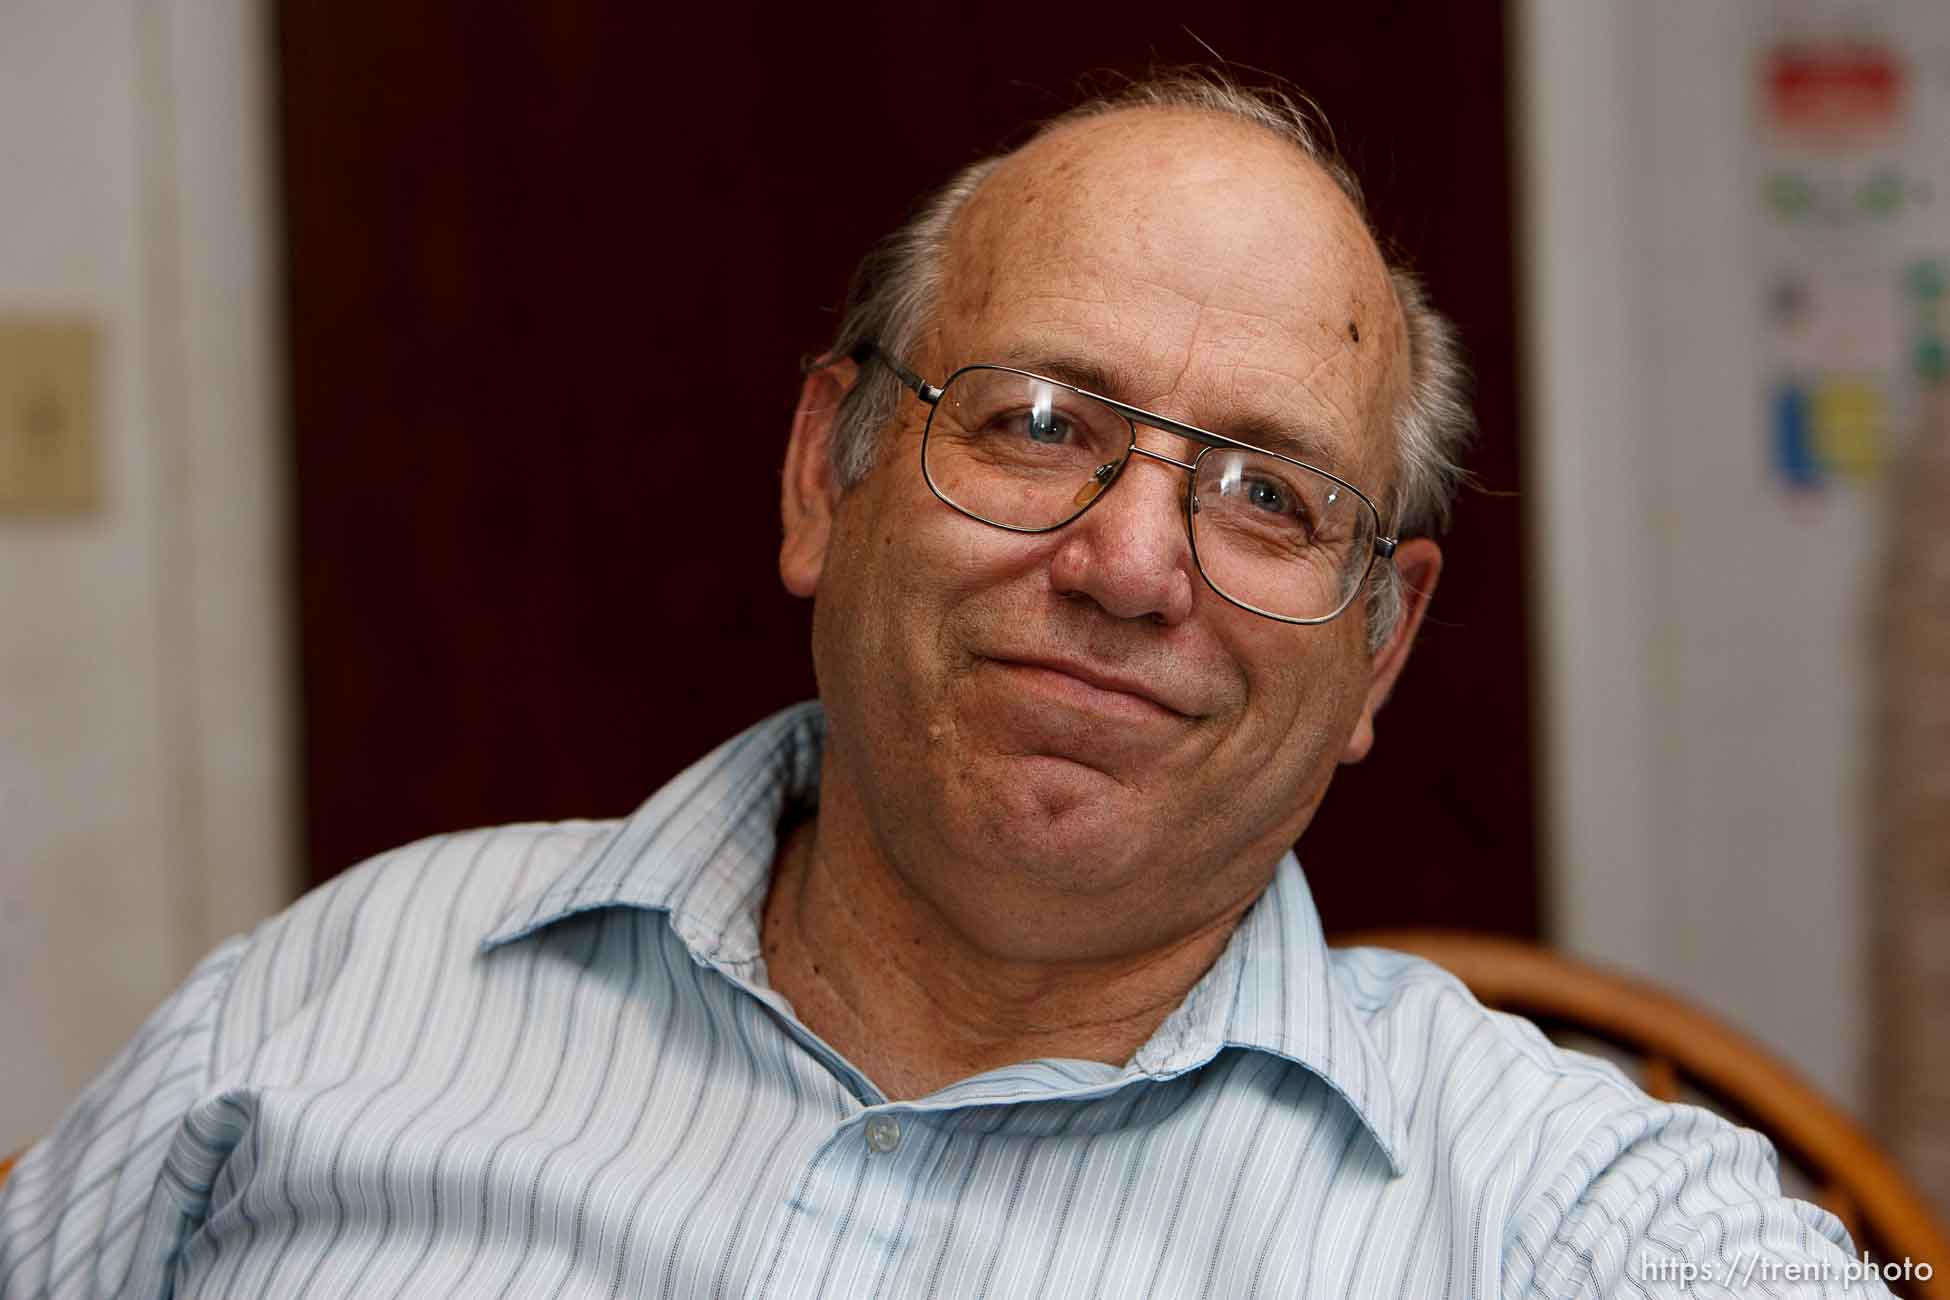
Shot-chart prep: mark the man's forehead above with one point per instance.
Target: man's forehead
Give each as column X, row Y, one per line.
column 1181, row 248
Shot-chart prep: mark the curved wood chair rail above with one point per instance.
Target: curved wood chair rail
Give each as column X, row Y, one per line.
column 1858, row 1183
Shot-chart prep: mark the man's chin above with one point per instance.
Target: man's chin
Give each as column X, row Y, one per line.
column 1052, row 786
column 1059, row 819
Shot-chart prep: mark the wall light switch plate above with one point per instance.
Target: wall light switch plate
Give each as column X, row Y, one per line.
column 50, row 444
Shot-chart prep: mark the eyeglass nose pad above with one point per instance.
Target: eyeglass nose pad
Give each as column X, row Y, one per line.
column 1094, row 485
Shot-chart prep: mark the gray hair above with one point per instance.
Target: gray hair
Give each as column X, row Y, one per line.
column 896, row 291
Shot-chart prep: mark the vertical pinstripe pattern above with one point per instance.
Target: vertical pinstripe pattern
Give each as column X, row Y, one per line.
column 544, row 1061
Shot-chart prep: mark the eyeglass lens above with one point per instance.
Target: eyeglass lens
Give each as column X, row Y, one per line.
column 1026, row 453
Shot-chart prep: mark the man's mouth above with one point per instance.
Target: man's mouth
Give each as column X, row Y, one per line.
column 1094, row 686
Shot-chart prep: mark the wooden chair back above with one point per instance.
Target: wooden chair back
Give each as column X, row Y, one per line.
column 1681, row 1046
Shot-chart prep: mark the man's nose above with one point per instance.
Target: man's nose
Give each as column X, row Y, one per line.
column 1130, row 552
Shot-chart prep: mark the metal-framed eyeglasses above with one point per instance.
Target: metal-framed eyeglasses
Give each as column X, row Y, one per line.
column 1029, row 454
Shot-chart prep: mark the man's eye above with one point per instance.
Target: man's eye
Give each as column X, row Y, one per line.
column 1044, row 425
column 1268, row 496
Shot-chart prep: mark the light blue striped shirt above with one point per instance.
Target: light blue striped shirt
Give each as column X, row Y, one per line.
column 545, row 1061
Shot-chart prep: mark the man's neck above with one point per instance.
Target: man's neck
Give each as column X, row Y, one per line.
column 880, row 975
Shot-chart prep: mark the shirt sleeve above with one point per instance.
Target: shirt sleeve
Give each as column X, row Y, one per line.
column 90, row 1209
column 1668, row 1200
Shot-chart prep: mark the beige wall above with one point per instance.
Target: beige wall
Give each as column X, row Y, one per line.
column 146, row 800
column 1706, row 643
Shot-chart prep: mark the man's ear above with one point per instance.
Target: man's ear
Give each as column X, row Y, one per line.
column 811, row 491
column 1418, row 563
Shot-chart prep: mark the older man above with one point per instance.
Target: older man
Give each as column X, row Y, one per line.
column 992, row 973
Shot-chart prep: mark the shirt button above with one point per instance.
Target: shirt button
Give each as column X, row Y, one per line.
column 883, row 1134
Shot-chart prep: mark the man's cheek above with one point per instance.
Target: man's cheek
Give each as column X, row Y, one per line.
column 1297, row 710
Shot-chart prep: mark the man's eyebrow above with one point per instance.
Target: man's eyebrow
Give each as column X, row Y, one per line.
column 1071, row 368
column 1313, row 446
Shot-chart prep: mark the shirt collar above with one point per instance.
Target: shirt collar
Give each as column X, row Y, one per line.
column 1276, row 989
column 701, row 849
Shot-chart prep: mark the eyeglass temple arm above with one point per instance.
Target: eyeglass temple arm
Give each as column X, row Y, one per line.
column 922, row 388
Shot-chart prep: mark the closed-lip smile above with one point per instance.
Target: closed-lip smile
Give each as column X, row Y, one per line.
column 1096, row 677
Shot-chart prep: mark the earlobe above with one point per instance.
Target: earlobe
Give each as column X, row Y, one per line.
column 1418, row 564
column 810, row 492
